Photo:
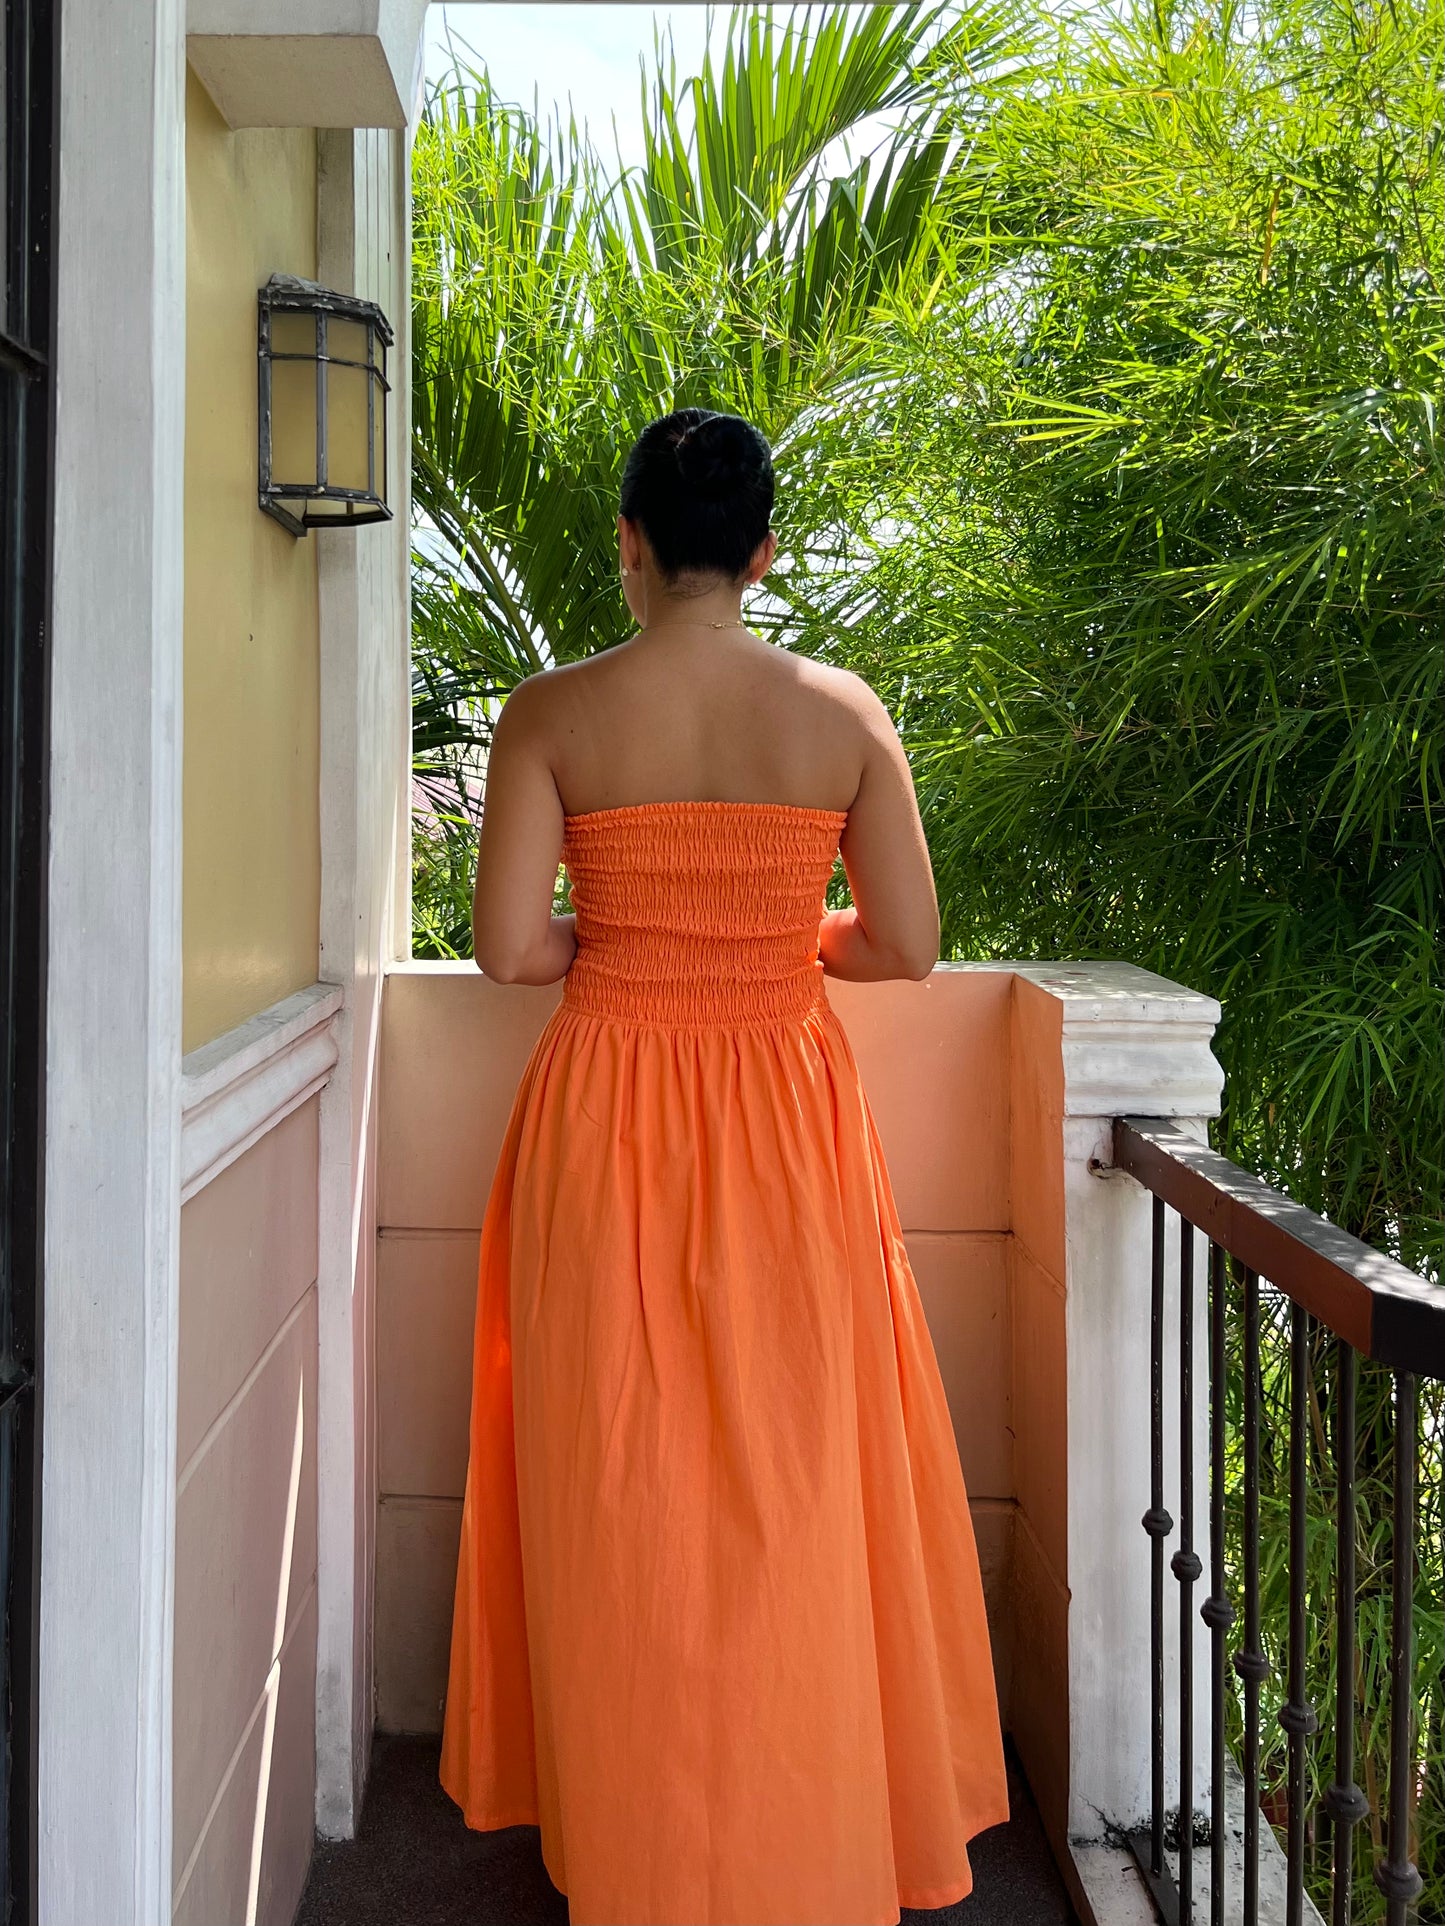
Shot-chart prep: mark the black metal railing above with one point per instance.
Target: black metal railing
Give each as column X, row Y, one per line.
column 1325, row 1284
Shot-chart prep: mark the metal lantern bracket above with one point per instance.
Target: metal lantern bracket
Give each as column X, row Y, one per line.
column 290, row 294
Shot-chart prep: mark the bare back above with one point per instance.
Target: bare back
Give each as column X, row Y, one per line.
column 705, row 716
column 696, row 715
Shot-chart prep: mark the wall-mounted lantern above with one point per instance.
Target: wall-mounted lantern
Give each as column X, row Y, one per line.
column 323, row 390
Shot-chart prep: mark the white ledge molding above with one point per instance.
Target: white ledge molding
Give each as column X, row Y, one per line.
column 327, row 63
column 238, row 1087
column 1134, row 1044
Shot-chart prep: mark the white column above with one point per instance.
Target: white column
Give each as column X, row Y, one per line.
column 1131, row 1043
column 363, row 246
column 113, row 1015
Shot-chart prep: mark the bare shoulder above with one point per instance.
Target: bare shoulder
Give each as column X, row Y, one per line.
column 533, row 705
column 847, row 693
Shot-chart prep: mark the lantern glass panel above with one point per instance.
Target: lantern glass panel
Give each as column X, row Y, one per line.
column 346, row 340
column 293, row 333
column 346, row 426
column 293, row 423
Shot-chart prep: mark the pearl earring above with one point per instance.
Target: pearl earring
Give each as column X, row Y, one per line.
column 625, row 569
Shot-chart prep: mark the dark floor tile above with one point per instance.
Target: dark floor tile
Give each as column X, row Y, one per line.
column 414, row 1863
column 1015, row 1880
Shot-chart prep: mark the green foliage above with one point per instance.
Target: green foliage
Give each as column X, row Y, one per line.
column 1172, row 652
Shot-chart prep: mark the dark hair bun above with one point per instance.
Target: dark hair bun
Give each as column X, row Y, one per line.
column 700, row 486
column 718, row 455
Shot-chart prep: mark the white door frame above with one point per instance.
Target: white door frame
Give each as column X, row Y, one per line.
column 363, row 246
column 113, row 1018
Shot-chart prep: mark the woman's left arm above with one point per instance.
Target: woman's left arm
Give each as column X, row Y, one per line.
column 515, row 936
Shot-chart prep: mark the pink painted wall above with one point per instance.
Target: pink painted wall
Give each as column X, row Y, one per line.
column 938, row 1060
column 244, row 1707
column 1039, row 1701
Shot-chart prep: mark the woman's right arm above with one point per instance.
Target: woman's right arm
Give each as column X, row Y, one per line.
column 515, row 936
column 892, row 928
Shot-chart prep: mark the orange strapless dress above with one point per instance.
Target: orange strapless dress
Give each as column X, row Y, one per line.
column 719, row 1626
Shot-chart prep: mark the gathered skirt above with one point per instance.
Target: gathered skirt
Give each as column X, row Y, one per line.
column 719, row 1627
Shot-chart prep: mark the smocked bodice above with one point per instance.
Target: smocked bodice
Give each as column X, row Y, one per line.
column 698, row 912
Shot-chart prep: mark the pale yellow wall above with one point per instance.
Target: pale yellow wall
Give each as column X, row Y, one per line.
column 252, row 856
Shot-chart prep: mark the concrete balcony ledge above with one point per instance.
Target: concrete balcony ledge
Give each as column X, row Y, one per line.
column 994, row 1087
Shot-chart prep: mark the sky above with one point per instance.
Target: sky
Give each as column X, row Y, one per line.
column 588, row 53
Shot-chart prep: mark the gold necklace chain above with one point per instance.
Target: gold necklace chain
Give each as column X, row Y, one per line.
column 693, row 625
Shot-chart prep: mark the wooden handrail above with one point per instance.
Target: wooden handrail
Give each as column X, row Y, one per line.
column 1385, row 1311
